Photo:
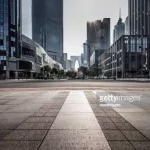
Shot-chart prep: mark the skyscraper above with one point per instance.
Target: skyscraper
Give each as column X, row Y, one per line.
column 119, row 29
column 139, row 17
column 47, row 26
column 127, row 29
column 65, row 56
column 10, row 30
column 98, row 34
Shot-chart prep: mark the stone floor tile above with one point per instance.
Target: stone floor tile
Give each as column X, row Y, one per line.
column 134, row 136
column 53, row 110
column 4, row 133
column 76, row 121
column 108, row 126
column 46, row 119
column 88, row 135
column 113, row 115
column 39, row 114
column 42, row 126
column 28, row 145
column 125, row 126
column 118, row 119
column 100, row 114
column 26, row 125
column 16, row 135
column 51, row 114
column 120, row 145
column 35, row 135
column 114, row 135
column 8, row 145
column 103, row 119
column 33, row 119
column 141, row 145
column 74, row 145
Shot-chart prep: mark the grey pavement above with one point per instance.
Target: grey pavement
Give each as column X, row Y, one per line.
column 73, row 120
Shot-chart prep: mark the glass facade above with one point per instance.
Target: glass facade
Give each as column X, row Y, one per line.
column 47, row 26
column 98, row 34
column 139, row 17
column 127, row 57
column 9, row 30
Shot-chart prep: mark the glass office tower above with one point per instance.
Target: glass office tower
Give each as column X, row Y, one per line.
column 47, row 26
column 139, row 17
column 10, row 31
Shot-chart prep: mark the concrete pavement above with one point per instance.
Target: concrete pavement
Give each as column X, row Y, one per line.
column 67, row 120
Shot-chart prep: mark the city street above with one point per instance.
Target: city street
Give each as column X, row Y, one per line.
column 67, row 115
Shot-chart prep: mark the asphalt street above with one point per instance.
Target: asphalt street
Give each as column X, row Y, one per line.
column 77, row 84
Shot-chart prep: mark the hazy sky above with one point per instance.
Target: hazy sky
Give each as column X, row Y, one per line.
column 78, row 12
column 76, row 15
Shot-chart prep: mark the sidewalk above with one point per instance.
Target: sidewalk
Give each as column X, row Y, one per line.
column 67, row 120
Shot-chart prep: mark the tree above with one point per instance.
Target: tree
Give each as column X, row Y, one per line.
column 83, row 69
column 54, row 71
column 46, row 70
column 61, row 73
column 71, row 74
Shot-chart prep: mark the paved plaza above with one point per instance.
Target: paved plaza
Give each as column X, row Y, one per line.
column 40, row 118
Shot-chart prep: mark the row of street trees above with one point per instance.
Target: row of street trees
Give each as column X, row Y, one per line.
column 97, row 71
column 47, row 72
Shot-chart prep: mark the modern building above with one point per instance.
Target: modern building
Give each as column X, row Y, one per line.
column 65, row 57
column 139, row 17
column 69, row 65
column 47, row 26
column 127, row 29
column 98, row 34
column 128, row 57
column 94, row 61
column 27, row 18
column 86, row 55
column 82, row 58
column 74, row 59
column 119, row 30
column 10, row 34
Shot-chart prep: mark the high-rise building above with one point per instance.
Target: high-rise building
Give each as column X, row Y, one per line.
column 65, row 56
column 10, row 31
column 127, row 30
column 119, row 29
column 69, row 65
column 139, row 17
column 86, row 55
column 47, row 26
column 98, row 34
column 82, row 58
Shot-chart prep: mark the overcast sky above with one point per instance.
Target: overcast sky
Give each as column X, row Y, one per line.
column 76, row 15
column 78, row 12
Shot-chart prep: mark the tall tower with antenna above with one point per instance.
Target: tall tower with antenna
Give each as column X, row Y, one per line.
column 119, row 28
